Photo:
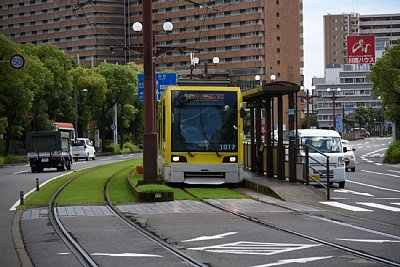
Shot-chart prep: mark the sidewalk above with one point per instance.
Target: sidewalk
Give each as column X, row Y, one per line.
column 291, row 192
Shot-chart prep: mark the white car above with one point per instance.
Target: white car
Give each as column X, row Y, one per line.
column 349, row 157
column 83, row 148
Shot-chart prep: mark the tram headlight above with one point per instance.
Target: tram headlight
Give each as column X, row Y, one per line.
column 175, row 158
column 230, row 159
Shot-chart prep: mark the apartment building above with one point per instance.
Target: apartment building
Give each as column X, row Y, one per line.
column 250, row 37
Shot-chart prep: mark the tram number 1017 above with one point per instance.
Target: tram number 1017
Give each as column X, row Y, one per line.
column 227, row 147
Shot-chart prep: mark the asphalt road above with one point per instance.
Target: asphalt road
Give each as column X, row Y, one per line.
column 16, row 178
column 364, row 215
column 372, row 192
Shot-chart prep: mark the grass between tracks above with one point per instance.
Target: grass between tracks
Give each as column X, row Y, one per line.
column 88, row 188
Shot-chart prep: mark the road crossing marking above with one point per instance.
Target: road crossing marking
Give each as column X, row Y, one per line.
column 379, row 206
column 356, row 208
column 369, row 240
column 288, row 261
column 254, row 248
column 126, row 255
column 202, row 238
column 343, row 206
column 353, row 192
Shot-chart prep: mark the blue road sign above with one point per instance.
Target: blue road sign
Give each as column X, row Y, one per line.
column 291, row 111
column 339, row 124
column 163, row 80
column 348, row 110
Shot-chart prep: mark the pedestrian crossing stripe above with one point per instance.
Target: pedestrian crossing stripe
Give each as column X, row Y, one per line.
column 343, row 206
column 356, row 208
column 379, row 206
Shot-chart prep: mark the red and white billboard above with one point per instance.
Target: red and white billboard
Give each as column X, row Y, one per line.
column 361, row 49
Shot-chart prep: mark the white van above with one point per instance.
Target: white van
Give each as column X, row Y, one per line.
column 329, row 143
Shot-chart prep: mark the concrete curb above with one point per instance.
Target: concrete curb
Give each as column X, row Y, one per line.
column 23, row 255
column 261, row 189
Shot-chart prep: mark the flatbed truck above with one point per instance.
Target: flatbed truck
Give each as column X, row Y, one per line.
column 49, row 149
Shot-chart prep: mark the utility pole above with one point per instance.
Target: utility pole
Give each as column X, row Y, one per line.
column 150, row 134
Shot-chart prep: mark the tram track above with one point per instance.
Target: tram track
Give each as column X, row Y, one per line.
column 79, row 251
column 258, row 221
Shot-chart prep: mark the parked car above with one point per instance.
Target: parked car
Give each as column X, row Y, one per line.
column 349, row 157
column 363, row 132
column 83, row 148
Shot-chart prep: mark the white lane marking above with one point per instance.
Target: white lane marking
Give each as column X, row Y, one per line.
column 353, row 192
column 374, row 186
column 64, row 253
column 379, row 164
column 379, row 206
column 289, row 261
column 355, row 227
column 369, row 240
column 202, row 238
column 343, row 206
column 21, row 172
column 126, row 255
column 394, row 171
column 395, row 203
column 254, row 248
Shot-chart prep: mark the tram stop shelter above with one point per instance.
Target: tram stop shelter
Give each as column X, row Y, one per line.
column 268, row 156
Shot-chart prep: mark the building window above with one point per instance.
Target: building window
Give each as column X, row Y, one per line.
column 277, row 14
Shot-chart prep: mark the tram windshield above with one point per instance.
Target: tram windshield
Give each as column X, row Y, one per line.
column 205, row 121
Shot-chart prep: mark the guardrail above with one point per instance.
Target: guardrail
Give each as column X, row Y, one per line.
column 303, row 166
column 316, row 162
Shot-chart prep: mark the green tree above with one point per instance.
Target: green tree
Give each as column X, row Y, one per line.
column 89, row 104
column 385, row 75
column 121, row 89
column 18, row 87
column 53, row 103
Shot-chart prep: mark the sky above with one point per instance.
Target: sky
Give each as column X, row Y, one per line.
column 313, row 13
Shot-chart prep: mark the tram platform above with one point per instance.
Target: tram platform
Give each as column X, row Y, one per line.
column 283, row 189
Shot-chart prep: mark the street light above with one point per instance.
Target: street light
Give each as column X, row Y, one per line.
column 258, row 78
column 333, row 98
column 150, row 134
column 76, row 102
column 195, row 61
column 307, row 97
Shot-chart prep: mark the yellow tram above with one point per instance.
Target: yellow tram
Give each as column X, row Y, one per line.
column 200, row 135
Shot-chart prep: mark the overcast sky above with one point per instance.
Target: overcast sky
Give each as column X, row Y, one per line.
column 313, row 12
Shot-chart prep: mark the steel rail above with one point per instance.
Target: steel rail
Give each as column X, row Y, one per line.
column 308, row 237
column 186, row 258
column 83, row 257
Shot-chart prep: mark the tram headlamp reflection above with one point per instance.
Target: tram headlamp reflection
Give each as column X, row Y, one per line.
column 230, row 159
column 178, row 158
